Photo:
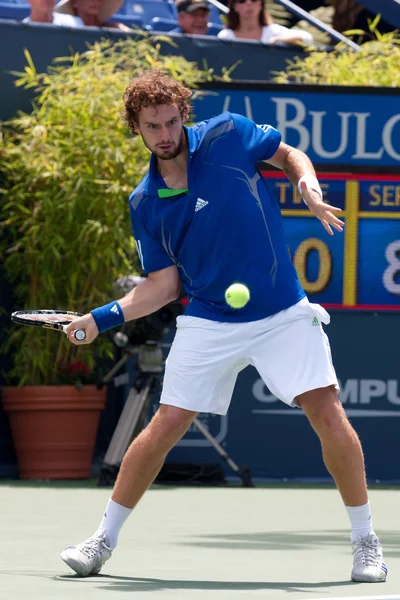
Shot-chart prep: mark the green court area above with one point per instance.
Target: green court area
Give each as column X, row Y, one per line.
column 270, row 542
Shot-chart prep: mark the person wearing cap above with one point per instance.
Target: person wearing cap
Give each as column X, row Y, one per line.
column 193, row 16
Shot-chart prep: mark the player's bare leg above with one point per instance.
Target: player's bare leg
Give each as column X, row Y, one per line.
column 343, row 457
column 145, row 457
column 341, row 448
column 140, row 466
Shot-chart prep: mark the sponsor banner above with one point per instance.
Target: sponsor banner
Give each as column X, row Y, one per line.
column 347, row 126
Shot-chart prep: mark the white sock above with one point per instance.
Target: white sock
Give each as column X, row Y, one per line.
column 361, row 521
column 114, row 517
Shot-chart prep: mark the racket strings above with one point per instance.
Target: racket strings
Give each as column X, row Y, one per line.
column 47, row 317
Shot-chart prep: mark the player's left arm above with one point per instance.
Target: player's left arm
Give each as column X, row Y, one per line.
column 299, row 170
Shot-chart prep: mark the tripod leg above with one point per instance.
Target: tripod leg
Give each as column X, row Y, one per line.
column 243, row 473
column 126, row 429
column 115, row 368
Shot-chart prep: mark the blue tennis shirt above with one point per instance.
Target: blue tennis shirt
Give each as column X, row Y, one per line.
column 226, row 229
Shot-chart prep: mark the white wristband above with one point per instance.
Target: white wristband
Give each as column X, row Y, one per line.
column 312, row 183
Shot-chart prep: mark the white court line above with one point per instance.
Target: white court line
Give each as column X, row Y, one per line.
column 359, row 598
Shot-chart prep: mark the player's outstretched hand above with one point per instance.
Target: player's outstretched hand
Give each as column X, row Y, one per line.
column 88, row 324
column 324, row 212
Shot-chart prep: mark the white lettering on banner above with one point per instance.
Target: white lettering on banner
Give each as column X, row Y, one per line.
column 393, row 391
column 282, row 122
column 317, row 134
column 352, row 392
column 349, row 392
column 361, row 139
column 247, row 104
column 261, row 393
column 227, row 102
column 319, row 120
column 371, row 388
column 364, row 391
column 387, row 136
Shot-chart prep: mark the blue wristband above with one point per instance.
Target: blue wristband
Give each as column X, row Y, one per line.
column 108, row 316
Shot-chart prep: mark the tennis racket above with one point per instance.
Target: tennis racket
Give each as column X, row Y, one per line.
column 49, row 319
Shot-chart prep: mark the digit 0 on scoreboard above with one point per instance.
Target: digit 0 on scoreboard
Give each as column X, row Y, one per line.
column 318, row 259
column 324, row 269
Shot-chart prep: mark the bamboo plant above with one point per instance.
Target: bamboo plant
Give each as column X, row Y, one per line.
column 66, row 171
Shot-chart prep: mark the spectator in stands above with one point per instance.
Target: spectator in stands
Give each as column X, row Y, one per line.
column 193, row 16
column 93, row 13
column 249, row 20
column 42, row 12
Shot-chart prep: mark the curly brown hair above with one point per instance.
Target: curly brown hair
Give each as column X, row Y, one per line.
column 152, row 88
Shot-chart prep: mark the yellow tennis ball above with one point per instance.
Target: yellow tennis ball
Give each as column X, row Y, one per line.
column 237, row 295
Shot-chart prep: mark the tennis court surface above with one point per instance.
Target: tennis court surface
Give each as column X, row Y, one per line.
column 186, row 543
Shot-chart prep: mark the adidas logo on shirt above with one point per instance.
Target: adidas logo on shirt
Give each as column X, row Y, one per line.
column 114, row 309
column 200, row 204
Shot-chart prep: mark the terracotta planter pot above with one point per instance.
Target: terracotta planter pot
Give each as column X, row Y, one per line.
column 54, row 429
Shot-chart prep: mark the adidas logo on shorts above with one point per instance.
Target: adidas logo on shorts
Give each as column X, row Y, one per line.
column 200, row 204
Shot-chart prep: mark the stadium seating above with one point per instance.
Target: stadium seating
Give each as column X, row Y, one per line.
column 128, row 20
column 161, row 24
column 147, row 9
column 14, row 10
column 214, row 28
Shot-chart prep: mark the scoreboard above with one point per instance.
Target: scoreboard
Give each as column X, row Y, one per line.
column 356, row 269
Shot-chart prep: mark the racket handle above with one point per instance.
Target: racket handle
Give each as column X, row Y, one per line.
column 79, row 334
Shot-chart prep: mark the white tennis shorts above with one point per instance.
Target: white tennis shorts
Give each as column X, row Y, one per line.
column 290, row 351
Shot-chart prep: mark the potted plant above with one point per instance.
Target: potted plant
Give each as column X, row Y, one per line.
column 66, row 171
column 54, row 426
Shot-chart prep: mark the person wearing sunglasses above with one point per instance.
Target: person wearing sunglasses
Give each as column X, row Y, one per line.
column 249, row 20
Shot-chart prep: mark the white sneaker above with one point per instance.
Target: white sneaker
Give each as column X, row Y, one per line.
column 368, row 563
column 88, row 557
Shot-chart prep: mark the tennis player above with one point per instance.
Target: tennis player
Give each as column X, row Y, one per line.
column 203, row 215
